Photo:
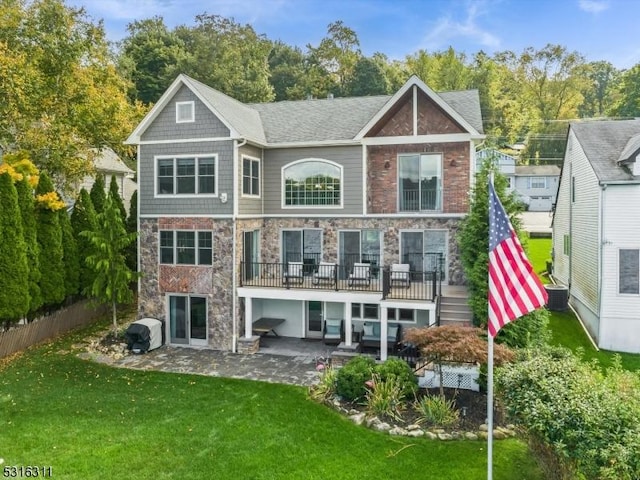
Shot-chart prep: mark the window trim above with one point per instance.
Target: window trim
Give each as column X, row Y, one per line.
column 197, row 248
column 242, row 176
column 538, row 178
column 628, row 294
column 196, row 157
column 283, row 199
column 192, row 117
column 301, row 230
column 395, row 318
column 439, row 200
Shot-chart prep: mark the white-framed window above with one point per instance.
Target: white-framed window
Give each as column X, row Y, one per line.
column 185, row 112
column 629, row 271
column 250, row 176
column 537, row 182
column 186, row 247
column 401, row 315
column 312, row 182
column 302, row 245
column 365, row 311
column 187, row 175
column 419, row 182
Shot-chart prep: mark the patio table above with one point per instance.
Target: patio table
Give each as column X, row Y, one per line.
column 264, row 325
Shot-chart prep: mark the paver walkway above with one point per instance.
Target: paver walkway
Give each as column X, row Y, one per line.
column 292, row 370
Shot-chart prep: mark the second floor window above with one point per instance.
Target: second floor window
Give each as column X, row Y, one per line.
column 420, row 182
column 250, row 176
column 312, row 183
column 186, row 247
column 187, row 175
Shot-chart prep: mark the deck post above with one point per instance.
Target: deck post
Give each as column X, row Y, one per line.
column 383, row 333
column 348, row 324
column 248, row 316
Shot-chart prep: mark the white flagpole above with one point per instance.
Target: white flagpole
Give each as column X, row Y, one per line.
column 490, row 410
column 490, row 393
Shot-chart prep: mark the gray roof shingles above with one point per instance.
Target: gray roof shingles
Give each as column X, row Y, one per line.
column 603, row 142
column 318, row 120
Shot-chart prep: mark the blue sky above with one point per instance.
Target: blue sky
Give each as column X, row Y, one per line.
column 598, row 29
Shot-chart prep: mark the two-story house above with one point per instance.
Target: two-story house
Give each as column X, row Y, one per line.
column 297, row 210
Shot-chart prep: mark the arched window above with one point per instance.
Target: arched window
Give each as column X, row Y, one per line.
column 312, row 183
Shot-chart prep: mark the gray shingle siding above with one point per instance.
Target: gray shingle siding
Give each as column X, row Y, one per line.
column 250, row 205
column 194, row 205
column 350, row 157
column 164, row 126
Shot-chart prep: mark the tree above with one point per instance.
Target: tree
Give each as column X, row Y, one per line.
column 473, row 242
column 114, row 192
column 14, row 269
column 61, row 95
column 50, row 242
column 69, row 255
column 83, row 218
column 150, row 56
column 628, row 91
column 29, row 229
column 109, row 241
column 599, row 91
column 98, row 193
column 287, row 68
column 455, row 344
column 367, row 79
column 227, row 56
column 132, row 227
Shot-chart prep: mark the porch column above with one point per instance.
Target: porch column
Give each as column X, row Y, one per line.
column 248, row 316
column 383, row 333
column 347, row 324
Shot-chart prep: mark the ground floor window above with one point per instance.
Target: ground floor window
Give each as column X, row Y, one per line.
column 401, row 315
column 187, row 319
column 367, row 311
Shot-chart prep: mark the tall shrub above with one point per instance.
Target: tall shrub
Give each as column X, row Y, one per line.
column 132, row 227
column 114, row 192
column 69, row 254
column 98, row 193
column 50, row 242
column 83, row 218
column 14, row 270
column 29, row 230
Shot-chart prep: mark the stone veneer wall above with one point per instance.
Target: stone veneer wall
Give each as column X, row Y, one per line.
column 214, row 282
column 270, row 237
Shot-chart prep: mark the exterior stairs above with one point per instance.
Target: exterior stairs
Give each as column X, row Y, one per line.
column 454, row 306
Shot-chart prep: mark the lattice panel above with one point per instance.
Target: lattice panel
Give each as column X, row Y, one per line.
column 464, row 378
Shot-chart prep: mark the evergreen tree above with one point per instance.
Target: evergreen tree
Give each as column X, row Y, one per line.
column 110, row 240
column 473, row 241
column 70, row 255
column 98, row 194
column 14, row 270
column 83, row 218
column 50, row 242
column 29, row 229
column 132, row 227
column 114, row 192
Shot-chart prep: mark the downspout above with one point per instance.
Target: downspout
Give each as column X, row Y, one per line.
column 234, row 217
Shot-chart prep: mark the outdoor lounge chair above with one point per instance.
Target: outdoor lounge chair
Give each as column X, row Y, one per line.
column 361, row 273
column 294, row 272
column 326, row 273
column 371, row 335
column 400, row 275
column 333, row 332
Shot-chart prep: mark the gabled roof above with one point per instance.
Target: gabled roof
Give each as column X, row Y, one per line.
column 106, row 160
column 341, row 120
column 630, row 150
column 603, row 143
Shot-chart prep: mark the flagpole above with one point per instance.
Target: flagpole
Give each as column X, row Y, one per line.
column 490, row 391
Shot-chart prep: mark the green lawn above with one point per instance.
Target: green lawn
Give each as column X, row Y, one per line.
column 565, row 327
column 88, row 420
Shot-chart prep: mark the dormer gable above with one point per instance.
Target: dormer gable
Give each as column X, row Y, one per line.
column 629, row 155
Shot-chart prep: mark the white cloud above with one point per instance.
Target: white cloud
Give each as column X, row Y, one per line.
column 593, row 6
column 447, row 29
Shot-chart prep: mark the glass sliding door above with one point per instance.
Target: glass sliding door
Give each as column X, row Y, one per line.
column 302, row 246
column 419, row 182
column 187, row 320
column 349, row 251
column 425, row 251
column 250, row 254
column 359, row 246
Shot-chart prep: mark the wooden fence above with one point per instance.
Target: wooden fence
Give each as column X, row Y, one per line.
column 79, row 314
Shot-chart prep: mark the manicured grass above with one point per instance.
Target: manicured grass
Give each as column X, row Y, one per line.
column 88, row 421
column 565, row 328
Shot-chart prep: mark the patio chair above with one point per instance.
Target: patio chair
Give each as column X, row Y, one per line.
column 294, row 272
column 400, row 275
column 361, row 273
column 326, row 273
column 333, row 332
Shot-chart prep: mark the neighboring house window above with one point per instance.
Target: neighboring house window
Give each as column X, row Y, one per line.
column 567, row 245
column 185, row 112
column 419, row 182
column 537, row 182
column 312, row 183
column 193, row 175
column 186, row 247
column 573, row 189
column 629, row 271
column 250, row 176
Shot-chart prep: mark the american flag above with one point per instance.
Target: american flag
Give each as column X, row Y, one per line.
column 514, row 289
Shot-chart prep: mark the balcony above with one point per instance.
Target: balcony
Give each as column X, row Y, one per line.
column 451, row 199
column 355, row 277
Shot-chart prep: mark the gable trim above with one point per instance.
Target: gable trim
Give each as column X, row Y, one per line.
column 444, row 138
column 414, row 81
column 134, row 138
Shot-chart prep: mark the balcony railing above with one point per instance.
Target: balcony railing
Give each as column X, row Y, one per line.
column 415, row 200
column 359, row 276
